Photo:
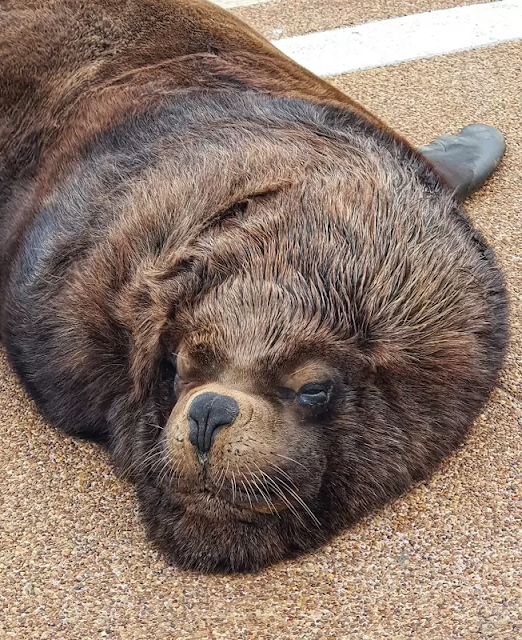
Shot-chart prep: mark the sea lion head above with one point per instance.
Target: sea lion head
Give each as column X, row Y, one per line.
column 313, row 325
column 310, row 384
column 259, row 382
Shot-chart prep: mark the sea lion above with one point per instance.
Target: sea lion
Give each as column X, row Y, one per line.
column 269, row 307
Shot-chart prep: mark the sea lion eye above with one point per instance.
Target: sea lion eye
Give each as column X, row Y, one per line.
column 314, row 394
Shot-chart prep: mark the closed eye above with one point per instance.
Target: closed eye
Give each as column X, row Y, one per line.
column 314, row 394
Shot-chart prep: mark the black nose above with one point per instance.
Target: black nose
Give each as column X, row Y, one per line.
column 208, row 412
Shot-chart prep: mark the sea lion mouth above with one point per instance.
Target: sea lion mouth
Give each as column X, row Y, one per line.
column 257, row 502
column 245, row 497
column 211, row 506
column 235, row 501
column 247, row 505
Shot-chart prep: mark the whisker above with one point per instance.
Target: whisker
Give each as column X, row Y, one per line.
column 224, row 476
column 219, row 478
column 234, row 487
column 296, row 497
column 164, row 472
column 178, row 355
column 302, row 503
column 248, row 495
column 287, row 502
column 267, row 498
column 173, row 472
column 291, row 460
column 149, row 458
column 169, row 471
column 153, row 424
column 278, row 468
column 283, row 497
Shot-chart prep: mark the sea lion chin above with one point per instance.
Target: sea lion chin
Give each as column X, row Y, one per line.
column 269, row 306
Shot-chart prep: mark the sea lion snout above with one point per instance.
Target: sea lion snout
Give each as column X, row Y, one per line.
column 208, row 413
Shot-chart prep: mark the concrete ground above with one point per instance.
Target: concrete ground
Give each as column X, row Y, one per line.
column 444, row 562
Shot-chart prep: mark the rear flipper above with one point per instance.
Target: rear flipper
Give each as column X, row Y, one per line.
column 467, row 159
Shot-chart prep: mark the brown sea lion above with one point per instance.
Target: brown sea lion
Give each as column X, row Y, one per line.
column 268, row 305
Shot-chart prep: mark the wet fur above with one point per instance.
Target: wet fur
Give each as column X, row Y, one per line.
column 157, row 179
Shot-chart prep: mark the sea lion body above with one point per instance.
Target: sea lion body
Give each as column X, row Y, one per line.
column 267, row 304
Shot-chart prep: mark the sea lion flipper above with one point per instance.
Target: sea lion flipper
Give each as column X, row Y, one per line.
column 466, row 160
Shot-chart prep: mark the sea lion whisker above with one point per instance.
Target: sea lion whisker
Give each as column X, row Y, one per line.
column 224, row 477
column 286, row 475
column 296, row 496
column 234, row 487
column 285, row 499
column 169, row 471
column 154, row 425
column 248, row 494
column 290, row 460
column 282, row 495
column 266, row 496
column 149, row 458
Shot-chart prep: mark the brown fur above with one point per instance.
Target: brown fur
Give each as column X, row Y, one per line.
column 185, row 210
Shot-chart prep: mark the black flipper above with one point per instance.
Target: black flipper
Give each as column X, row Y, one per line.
column 466, row 160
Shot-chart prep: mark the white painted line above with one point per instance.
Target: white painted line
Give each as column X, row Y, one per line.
column 422, row 35
column 230, row 4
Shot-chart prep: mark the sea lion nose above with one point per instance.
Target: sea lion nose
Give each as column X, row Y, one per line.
column 207, row 414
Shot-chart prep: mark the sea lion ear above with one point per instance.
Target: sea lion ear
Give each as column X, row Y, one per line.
column 148, row 308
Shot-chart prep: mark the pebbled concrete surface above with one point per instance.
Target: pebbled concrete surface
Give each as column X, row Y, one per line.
column 285, row 18
column 442, row 563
